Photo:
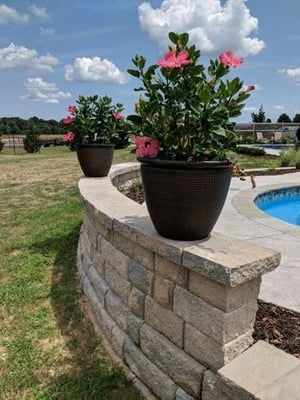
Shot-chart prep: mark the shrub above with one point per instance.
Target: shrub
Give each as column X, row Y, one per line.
column 298, row 134
column 249, row 140
column 297, row 158
column 286, row 157
column 251, row 151
column 31, row 141
column 286, row 139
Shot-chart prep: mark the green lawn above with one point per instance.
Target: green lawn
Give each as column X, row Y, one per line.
column 48, row 349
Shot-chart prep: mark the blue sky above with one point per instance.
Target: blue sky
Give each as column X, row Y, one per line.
column 53, row 51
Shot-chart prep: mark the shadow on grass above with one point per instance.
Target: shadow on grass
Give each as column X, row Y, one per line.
column 87, row 373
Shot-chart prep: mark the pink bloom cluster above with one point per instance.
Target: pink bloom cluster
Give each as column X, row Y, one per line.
column 68, row 120
column 69, row 137
column 72, row 109
column 171, row 60
column 117, row 115
column 146, row 147
column 228, row 59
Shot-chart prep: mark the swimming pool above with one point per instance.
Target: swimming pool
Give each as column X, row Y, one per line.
column 282, row 203
column 276, row 146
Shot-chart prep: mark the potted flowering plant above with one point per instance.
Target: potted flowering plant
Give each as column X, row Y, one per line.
column 93, row 127
column 184, row 127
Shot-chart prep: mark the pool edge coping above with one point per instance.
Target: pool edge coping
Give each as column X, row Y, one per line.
column 244, row 203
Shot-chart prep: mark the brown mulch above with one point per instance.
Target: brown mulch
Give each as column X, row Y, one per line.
column 276, row 325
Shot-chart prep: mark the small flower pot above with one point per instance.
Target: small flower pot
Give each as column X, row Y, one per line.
column 95, row 159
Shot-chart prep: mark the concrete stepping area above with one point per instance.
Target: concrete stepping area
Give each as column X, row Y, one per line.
column 241, row 219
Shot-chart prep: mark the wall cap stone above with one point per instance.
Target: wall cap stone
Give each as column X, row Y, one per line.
column 265, row 372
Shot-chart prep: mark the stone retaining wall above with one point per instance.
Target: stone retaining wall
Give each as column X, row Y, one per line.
column 175, row 313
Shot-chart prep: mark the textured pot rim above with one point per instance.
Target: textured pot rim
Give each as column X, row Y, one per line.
column 156, row 162
column 95, row 145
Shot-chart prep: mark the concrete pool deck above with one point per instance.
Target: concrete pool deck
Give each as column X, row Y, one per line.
column 241, row 219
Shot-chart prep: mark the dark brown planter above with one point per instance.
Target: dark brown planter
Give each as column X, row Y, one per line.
column 95, row 159
column 185, row 199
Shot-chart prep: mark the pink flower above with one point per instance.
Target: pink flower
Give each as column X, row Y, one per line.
column 249, row 88
column 173, row 61
column 117, row 116
column 228, row 59
column 146, row 147
column 68, row 120
column 72, row 109
column 69, row 137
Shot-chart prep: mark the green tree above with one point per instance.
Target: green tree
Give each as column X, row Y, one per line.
column 31, row 142
column 260, row 116
column 296, row 118
column 284, row 118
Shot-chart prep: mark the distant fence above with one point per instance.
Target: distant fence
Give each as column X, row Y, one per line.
column 13, row 142
column 18, row 142
column 268, row 129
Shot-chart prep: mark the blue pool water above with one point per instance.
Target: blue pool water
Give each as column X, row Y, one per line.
column 283, row 204
column 276, row 146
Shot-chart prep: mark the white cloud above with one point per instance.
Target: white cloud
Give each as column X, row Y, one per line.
column 212, row 27
column 47, row 31
column 250, row 109
column 14, row 56
column 40, row 90
column 94, row 70
column 293, row 37
column 8, row 14
column 278, row 107
column 38, row 12
column 291, row 73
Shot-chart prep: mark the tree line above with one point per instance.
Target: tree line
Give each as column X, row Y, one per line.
column 261, row 117
column 20, row 126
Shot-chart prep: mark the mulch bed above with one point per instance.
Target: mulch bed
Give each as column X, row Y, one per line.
column 276, row 325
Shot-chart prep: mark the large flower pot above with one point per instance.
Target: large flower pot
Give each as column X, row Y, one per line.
column 95, row 159
column 184, row 199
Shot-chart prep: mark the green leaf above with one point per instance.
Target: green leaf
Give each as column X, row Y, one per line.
column 136, row 119
column 173, row 37
column 219, row 109
column 234, row 85
column 141, row 61
column 150, row 72
column 183, row 39
column 134, row 72
column 243, row 96
column 220, row 131
column 139, row 89
column 196, row 69
column 205, row 95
